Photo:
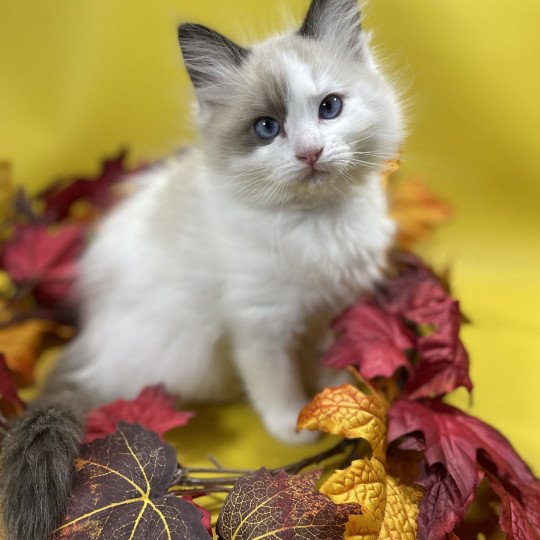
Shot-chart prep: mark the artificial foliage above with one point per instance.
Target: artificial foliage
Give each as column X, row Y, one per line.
column 408, row 464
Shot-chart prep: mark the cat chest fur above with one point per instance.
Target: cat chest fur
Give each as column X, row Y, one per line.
column 316, row 256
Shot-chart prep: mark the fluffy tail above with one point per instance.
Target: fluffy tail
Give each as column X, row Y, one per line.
column 37, row 466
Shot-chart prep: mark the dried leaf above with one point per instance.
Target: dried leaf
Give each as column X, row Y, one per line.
column 42, row 260
column 416, row 210
column 281, row 507
column 389, row 506
column 348, row 412
column 153, row 408
column 120, row 491
column 371, row 339
column 23, row 342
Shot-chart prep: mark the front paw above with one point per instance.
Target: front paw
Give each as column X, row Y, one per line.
column 282, row 425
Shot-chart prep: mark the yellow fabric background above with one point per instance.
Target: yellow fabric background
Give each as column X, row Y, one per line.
column 81, row 79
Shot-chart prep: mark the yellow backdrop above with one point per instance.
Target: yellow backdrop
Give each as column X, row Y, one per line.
column 80, row 80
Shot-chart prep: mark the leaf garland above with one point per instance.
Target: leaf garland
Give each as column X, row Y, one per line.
column 427, row 463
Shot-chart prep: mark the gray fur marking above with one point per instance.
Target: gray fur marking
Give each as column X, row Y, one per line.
column 314, row 24
column 37, row 467
column 201, row 45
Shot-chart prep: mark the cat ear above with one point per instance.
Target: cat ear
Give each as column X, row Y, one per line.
column 336, row 19
column 209, row 56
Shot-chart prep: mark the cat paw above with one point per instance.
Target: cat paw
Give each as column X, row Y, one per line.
column 283, row 428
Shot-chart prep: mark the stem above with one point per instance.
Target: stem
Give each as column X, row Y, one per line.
column 184, row 479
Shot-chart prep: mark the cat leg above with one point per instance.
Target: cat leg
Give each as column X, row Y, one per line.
column 273, row 382
column 312, row 346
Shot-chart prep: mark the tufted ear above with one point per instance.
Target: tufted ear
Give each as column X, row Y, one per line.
column 209, row 56
column 335, row 19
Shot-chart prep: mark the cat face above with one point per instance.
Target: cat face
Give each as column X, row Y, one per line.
column 299, row 117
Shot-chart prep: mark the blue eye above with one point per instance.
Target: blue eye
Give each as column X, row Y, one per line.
column 330, row 107
column 267, row 128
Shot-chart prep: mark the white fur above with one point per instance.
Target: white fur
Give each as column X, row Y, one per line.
column 212, row 274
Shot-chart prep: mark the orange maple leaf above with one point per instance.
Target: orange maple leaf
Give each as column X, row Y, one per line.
column 416, row 210
column 23, row 342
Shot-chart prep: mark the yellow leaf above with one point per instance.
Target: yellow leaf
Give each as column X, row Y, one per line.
column 348, row 412
column 416, row 210
column 22, row 343
column 389, row 506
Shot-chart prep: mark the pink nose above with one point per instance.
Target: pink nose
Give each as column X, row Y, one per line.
column 310, row 157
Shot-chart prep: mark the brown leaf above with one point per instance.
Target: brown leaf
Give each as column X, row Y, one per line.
column 121, row 491
column 348, row 412
column 281, row 507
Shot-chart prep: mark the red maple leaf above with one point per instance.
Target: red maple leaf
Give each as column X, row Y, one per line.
column 10, row 402
column 444, row 362
column 43, row 259
column 465, row 447
column 153, row 408
column 371, row 339
column 413, row 289
column 206, row 517
column 443, row 505
column 417, row 295
column 59, row 198
column 519, row 512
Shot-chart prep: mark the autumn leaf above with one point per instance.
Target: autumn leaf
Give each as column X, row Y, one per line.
column 465, row 447
column 389, row 505
column 281, row 507
column 443, row 506
column 121, row 491
column 42, row 260
column 444, row 361
column 60, row 198
column 206, row 516
column 417, row 295
column 413, row 289
column 519, row 512
column 22, row 343
column 153, row 408
column 416, row 210
column 347, row 411
column 370, row 339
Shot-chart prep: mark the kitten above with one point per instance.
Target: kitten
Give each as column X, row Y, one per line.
column 233, row 255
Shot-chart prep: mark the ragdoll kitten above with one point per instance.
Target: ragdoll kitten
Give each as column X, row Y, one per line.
column 232, row 256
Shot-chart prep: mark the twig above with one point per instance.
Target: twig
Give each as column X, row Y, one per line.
column 228, row 477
